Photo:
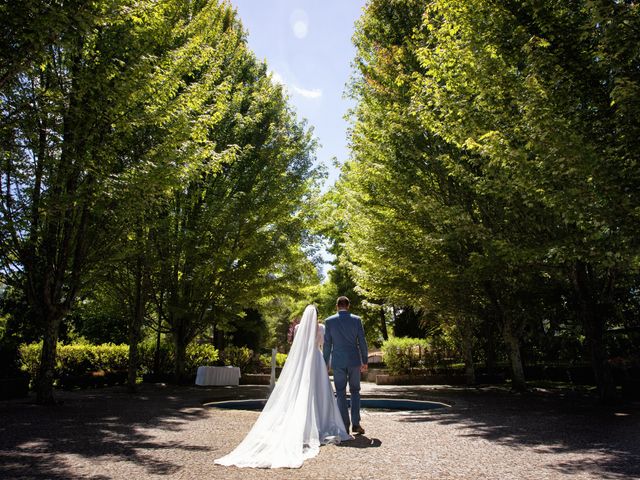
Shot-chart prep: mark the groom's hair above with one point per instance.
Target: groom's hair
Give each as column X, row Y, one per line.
column 342, row 302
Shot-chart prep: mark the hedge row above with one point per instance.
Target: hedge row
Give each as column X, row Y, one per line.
column 77, row 359
column 401, row 355
column 82, row 359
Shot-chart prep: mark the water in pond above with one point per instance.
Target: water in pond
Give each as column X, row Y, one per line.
column 372, row 403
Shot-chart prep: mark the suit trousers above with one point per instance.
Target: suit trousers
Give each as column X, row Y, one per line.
column 342, row 376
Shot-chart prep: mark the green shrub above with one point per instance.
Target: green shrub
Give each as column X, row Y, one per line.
column 403, row 354
column 80, row 359
column 281, row 358
column 196, row 356
column 265, row 359
column 199, row 355
column 237, row 356
column 111, row 358
column 76, row 360
column 148, row 355
column 30, row 358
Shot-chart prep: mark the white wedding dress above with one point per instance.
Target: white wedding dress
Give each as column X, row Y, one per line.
column 301, row 413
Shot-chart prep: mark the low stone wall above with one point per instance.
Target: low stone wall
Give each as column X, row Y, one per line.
column 255, row 379
column 420, row 380
column 372, row 373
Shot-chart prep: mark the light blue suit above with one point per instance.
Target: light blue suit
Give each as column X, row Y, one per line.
column 345, row 344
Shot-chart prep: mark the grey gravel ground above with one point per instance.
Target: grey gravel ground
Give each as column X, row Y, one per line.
column 169, row 432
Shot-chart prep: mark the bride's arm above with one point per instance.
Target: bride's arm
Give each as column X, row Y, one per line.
column 320, row 336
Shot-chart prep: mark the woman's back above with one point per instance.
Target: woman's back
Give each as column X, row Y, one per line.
column 319, row 334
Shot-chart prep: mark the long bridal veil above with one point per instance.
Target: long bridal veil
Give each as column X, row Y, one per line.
column 301, row 412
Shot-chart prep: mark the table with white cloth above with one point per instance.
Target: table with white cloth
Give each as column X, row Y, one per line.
column 218, row 376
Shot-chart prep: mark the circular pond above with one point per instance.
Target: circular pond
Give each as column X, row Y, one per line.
column 371, row 403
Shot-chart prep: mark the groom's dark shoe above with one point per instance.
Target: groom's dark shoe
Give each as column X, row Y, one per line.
column 357, row 429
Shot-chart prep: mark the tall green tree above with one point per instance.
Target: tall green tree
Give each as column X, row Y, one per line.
column 545, row 94
column 63, row 109
column 233, row 232
column 492, row 163
column 330, row 222
column 415, row 236
column 116, row 124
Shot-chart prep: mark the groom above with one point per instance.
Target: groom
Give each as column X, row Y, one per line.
column 345, row 344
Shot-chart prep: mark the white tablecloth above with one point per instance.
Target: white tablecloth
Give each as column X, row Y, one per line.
column 218, row 376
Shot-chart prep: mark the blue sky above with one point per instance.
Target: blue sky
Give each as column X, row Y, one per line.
column 307, row 47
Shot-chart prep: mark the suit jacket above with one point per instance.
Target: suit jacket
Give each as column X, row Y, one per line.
column 344, row 341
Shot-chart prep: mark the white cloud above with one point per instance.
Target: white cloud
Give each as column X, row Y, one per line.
column 276, row 77
column 315, row 93
column 304, row 92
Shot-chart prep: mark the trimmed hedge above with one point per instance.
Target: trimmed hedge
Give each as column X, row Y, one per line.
column 79, row 359
column 401, row 355
column 87, row 365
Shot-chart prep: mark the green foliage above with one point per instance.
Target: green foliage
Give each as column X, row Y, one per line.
column 75, row 360
column 279, row 312
column 409, row 323
column 401, row 355
column 331, row 222
column 30, row 358
column 249, row 329
column 110, row 357
column 166, row 358
column 151, row 167
column 3, row 325
column 265, row 360
column 81, row 359
column 237, row 356
column 489, row 183
column 100, row 318
column 229, row 231
column 199, row 355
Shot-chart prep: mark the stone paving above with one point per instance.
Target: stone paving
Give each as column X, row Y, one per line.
column 169, row 432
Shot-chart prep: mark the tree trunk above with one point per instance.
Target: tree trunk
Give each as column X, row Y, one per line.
column 44, row 382
column 156, row 356
column 54, row 264
column 594, row 331
column 383, row 324
column 511, row 335
column 218, row 338
column 490, row 346
column 466, row 336
column 590, row 314
column 136, row 327
column 513, row 343
column 180, row 360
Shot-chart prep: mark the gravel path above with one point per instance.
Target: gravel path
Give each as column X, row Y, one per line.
column 168, row 432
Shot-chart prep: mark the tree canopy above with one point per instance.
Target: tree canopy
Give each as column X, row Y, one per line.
column 494, row 171
column 145, row 149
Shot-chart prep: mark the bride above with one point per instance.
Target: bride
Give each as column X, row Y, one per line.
column 301, row 413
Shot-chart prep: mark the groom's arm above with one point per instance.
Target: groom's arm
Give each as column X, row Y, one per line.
column 362, row 343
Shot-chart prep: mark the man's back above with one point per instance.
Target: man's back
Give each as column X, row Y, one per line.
column 344, row 340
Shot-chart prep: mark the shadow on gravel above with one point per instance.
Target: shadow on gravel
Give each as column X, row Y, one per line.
column 549, row 424
column 94, row 424
column 360, row 441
